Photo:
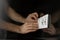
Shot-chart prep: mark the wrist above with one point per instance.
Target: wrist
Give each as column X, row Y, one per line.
column 19, row 29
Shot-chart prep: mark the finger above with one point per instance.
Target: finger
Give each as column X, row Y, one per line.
column 33, row 16
column 47, row 29
column 35, row 26
column 44, row 30
column 28, row 31
column 35, row 13
column 50, row 29
column 50, row 32
column 31, row 27
column 34, row 21
column 31, row 30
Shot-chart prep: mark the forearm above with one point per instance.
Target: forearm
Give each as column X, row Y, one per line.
column 9, row 26
column 15, row 16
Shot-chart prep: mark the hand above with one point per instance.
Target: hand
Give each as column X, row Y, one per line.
column 51, row 30
column 31, row 24
column 32, row 17
column 29, row 27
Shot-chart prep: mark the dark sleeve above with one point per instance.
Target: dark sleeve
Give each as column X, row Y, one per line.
column 13, row 4
column 57, row 8
column 17, row 6
column 57, row 24
column 56, row 5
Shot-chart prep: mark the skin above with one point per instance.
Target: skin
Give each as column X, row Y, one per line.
column 19, row 18
column 15, row 16
column 25, row 28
